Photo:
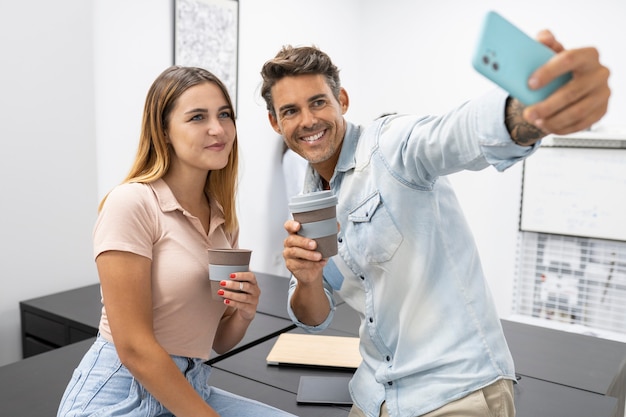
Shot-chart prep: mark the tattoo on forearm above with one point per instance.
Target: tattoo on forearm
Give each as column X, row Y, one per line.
column 522, row 132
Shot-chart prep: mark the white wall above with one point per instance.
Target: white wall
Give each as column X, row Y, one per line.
column 88, row 65
column 48, row 149
column 426, row 49
column 133, row 43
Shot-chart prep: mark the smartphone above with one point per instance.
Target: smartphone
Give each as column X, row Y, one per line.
column 507, row 56
column 324, row 390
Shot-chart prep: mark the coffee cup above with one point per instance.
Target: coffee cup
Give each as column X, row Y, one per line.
column 317, row 214
column 223, row 262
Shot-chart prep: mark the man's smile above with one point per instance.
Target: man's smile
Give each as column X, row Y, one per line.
column 314, row 137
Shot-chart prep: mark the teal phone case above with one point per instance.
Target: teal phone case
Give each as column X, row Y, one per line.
column 507, row 56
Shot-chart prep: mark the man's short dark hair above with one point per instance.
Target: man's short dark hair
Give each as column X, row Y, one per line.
column 290, row 61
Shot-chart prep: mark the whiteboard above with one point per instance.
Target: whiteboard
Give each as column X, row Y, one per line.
column 575, row 192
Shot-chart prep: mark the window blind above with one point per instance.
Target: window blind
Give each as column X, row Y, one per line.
column 573, row 281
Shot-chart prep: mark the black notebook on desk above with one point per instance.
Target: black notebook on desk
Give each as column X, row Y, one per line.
column 324, row 390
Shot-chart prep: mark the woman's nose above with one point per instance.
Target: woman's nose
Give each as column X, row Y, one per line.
column 215, row 127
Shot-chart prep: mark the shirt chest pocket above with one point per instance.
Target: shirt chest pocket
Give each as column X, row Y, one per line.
column 373, row 233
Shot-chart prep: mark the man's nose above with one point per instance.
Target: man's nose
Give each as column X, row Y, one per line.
column 308, row 118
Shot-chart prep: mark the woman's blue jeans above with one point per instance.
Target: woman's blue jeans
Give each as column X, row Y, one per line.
column 102, row 386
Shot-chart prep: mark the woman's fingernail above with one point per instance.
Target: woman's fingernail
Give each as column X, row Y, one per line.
column 227, row 301
column 233, row 275
column 533, row 82
column 220, row 292
column 222, row 283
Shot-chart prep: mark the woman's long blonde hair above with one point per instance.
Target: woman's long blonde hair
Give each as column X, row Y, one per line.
column 153, row 154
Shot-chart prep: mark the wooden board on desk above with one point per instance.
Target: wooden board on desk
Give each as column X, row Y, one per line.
column 315, row 350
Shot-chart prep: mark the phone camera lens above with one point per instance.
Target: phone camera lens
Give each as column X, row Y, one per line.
column 485, row 59
column 495, row 66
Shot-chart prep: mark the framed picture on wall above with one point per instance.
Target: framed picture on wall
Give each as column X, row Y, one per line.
column 206, row 36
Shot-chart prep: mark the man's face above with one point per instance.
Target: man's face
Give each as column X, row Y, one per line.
column 310, row 118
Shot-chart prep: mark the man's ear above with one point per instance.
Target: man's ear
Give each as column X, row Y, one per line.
column 274, row 123
column 344, row 100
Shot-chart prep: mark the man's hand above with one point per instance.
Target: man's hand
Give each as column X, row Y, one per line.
column 301, row 258
column 309, row 301
column 573, row 107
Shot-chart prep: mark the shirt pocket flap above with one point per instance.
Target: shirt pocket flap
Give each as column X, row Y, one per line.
column 365, row 211
column 371, row 232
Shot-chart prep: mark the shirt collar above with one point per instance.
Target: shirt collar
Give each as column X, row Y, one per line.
column 167, row 202
column 345, row 162
column 346, row 159
column 164, row 195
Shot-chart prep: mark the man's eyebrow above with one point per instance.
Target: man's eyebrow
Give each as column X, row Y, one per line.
column 285, row 107
column 317, row 97
column 310, row 100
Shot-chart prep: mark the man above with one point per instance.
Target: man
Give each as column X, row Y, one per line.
column 430, row 336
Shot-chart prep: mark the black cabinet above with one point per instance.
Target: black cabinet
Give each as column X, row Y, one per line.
column 59, row 319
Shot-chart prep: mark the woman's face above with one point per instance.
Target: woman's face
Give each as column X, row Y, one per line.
column 201, row 129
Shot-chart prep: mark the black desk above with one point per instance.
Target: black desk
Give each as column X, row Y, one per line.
column 262, row 328
column 346, row 320
column 533, row 397
column 33, row 387
column 563, row 374
column 585, row 362
column 285, row 400
column 274, row 290
column 59, row 319
column 537, row 398
column 252, row 364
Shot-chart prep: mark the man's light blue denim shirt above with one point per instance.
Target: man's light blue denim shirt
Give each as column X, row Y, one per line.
column 430, row 333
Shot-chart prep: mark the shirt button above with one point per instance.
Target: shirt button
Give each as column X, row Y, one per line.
column 388, row 358
column 390, row 383
column 371, row 320
column 340, row 239
column 362, row 278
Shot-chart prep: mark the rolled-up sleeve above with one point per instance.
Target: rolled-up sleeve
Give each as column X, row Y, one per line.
column 495, row 141
column 311, row 329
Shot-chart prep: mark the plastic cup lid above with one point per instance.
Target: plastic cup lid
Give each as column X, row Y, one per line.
column 312, row 201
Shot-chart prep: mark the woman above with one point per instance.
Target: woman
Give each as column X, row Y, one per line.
column 159, row 321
